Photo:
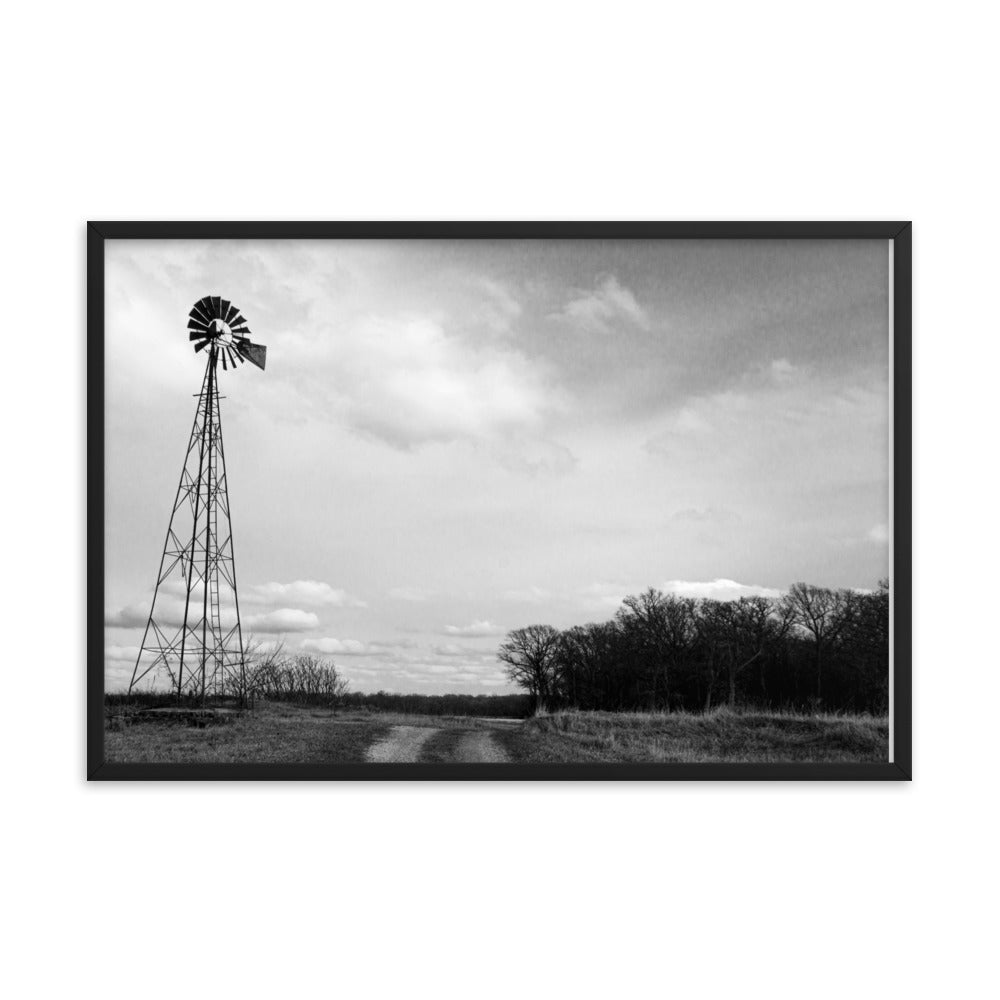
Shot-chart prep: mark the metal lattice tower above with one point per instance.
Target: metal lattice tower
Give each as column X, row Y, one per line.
column 193, row 636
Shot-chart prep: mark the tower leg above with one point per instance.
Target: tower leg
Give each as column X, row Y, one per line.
column 209, row 506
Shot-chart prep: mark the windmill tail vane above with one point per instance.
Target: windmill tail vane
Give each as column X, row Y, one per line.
column 193, row 637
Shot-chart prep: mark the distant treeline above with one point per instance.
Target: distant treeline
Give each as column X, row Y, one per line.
column 498, row 706
column 306, row 680
column 813, row 648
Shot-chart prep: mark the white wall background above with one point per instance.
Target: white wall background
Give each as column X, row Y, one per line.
column 516, row 110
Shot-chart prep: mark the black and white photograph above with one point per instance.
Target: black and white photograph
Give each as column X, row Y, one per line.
column 512, row 502
column 499, row 500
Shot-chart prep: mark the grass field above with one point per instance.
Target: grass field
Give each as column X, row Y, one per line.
column 275, row 733
column 291, row 734
column 720, row 736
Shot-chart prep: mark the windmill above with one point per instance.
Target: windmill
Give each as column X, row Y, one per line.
column 193, row 633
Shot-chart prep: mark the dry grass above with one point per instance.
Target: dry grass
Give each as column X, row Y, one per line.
column 274, row 733
column 720, row 736
column 442, row 747
column 278, row 733
column 284, row 733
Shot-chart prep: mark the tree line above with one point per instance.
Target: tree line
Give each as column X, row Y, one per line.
column 813, row 649
column 498, row 706
column 301, row 679
column 271, row 674
column 268, row 673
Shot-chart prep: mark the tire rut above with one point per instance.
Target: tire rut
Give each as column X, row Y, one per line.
column 401, row 746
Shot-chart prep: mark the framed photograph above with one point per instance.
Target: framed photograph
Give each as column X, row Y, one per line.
column 499, row 500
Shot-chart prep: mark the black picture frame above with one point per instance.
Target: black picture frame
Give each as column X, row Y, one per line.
column 98, row 233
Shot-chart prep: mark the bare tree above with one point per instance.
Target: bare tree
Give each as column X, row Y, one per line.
column 530, row 656
column 662, row 631
column 582, row 662
column 713, row 628
column 866, row 644
column 273, row 675
column 263, row 664
column 823, row 614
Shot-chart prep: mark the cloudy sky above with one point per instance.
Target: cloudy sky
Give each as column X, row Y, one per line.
column 453, row 439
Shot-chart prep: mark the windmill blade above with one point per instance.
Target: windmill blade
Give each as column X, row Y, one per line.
column 216, row 307
column 238, row 320
column 233, row 311
column 232, row 357
column 199, row 334
column 198, row 347
column 256, row 354
column 223, row 309
column 200, row 312
column 225, row 367
column 197, row 324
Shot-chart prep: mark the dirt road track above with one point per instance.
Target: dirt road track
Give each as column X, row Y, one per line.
column 404, row 743
column 479, row 747
column 401, row 746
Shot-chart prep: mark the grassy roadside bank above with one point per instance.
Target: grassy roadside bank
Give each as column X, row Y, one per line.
column 274, row 733
column 573, row 737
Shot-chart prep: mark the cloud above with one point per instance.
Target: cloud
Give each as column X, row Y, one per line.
column 263, row 646
column 534, row 456
column 282, row 620
column 169, row 609
column 119, row 664
column 312, row 593
column 342, row 647
column 132, row 616
column 356, row 647
column 609, row 304
column 781, row 371
column 607, row 597
column 127, row 654
column 453, row 649
column 476, row 629
column 718, row 590
column 410, row 381
column 498, row 309
column 782, row 436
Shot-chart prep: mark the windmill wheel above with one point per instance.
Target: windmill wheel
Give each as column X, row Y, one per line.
column 216, row 322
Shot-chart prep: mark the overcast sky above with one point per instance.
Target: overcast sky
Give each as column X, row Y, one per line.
column 457, row 438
